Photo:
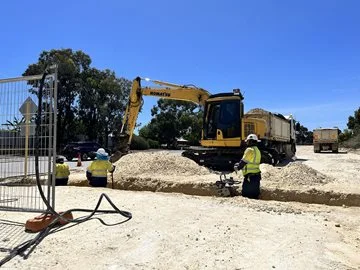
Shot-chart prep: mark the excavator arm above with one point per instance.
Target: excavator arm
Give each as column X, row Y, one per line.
column 168, row 90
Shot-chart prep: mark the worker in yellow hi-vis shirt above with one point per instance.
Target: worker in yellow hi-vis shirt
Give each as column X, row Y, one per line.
column 250, row 166
column 62, row 172
column 97, row 171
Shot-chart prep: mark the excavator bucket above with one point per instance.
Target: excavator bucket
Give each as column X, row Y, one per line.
column 121, row 147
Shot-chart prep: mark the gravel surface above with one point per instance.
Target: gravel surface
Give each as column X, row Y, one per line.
column 176, row 231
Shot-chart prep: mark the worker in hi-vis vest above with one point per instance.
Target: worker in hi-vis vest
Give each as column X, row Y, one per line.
column 250, row 166
column 97, row 171
column 62, row 172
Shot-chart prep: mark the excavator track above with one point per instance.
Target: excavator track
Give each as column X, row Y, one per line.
column 215, row 158
column 225, row 158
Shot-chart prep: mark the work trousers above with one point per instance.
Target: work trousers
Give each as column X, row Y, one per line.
column 251, row 186
column 96, row 181
column 61, row 181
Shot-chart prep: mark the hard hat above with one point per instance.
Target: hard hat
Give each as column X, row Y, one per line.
column 60, row 159
column 101, row 152
column 252, row 137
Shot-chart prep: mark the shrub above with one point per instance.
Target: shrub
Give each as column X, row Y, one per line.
column 138, row 143
column 153, row 144
column 353, row 142
column 346, row 135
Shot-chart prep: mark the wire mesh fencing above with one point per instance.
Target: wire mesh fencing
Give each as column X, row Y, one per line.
column 18, row 113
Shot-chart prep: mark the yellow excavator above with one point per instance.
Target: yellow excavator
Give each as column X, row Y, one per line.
column 224, row 125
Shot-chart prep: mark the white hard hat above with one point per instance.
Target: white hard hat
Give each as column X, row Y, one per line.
column 252, row 137
column 101, row 152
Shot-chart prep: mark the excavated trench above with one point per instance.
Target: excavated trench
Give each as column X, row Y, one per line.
column 209, row 189
column 166, row 172
column 312, row 195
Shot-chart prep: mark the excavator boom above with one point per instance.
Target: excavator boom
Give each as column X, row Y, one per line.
column 168, row 91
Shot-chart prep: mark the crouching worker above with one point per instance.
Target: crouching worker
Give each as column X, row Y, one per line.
column 97, row 171
column 250, row 166
column 62, row 172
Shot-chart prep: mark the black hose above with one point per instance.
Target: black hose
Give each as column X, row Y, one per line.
column 31, row 244
column 50, row 208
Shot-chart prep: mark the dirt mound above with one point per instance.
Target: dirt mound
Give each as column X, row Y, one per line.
column 295, row 174
column 163, row 171
column 157, row 163
column 258, row 111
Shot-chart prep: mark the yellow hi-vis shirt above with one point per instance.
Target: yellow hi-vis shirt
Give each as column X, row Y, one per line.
column 99, row 168
column 252, row 157
column 62, row 171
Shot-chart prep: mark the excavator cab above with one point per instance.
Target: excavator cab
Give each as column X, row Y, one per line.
column 222, row 120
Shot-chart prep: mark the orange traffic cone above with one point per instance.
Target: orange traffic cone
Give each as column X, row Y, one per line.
column 79, row 160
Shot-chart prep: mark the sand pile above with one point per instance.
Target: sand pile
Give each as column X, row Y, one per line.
column 257, row 111
column 163, row 171
column 294, row 174
column 157, row 171
column 157, row 163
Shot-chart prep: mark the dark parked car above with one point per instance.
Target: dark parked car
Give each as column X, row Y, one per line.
column 86, row 150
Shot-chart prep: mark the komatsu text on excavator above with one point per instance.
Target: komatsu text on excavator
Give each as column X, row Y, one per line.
column 225, row 126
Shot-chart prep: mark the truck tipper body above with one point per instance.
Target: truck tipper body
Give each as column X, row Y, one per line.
column 326, row 139
column 279, row 132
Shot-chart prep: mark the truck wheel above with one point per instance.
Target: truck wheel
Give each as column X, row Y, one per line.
column 275, row 157
column 267, row 158
column 289, row 153
column 335, row 151
column 84, row 157
column 293, row 148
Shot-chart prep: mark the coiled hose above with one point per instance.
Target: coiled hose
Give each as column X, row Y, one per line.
column 52, row 227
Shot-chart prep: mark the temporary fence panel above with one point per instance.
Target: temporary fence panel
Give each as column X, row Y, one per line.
column 18, row 112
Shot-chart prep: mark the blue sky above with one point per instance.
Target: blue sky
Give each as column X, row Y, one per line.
column 299, row 57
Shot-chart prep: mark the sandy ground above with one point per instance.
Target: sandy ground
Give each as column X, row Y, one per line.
column 176, row 231
column 344, row 167
column 324, row 178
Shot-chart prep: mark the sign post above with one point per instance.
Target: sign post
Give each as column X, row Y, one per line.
column 27, row 109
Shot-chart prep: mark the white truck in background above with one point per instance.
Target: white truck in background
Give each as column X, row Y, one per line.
column 326, row 139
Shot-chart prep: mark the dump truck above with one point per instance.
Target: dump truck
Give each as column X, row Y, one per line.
column 223, row 132
column 277, row 136
column 326, row 139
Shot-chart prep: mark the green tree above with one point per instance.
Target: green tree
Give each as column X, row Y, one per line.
column 15, row 125
column 345, row 135
column 71, row 64
column 145, row 132
column 139, row 143
column 354, row 122
column 303, row 135
column 102, row 101
column 173, row 119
